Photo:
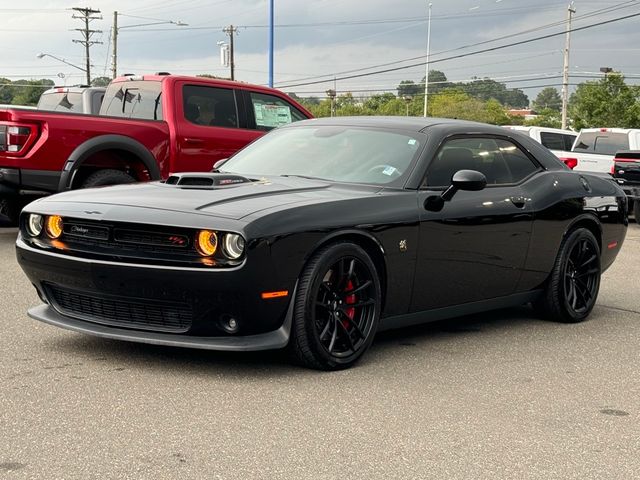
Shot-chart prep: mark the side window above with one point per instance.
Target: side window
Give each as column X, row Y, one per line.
column 568, row 142
column 210, row 106
column 553, row 141
column 271, row 112
column 501, row 161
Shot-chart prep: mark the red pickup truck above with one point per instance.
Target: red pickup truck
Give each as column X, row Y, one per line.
column 148, row 127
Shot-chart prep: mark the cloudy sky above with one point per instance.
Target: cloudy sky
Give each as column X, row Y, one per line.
column 317, row 40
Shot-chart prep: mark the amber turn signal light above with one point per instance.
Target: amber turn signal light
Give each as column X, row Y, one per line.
column 54, row 226
column 206, row 242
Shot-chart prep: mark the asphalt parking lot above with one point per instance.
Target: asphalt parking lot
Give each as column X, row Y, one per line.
column 499, row 395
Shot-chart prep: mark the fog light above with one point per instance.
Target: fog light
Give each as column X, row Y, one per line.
column 206, row 242
column 35, row 224
column 233, row 245
column 54, row 226
column 229, row 324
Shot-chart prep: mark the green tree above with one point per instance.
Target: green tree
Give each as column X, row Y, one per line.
column 609, row 102
column 547, row 117
column 28, row 91
column 455, row 103
column 6, row 91
column 548, row 98
column 100, row 81
column 487, row 88
column 437, row 82
column 408, row 88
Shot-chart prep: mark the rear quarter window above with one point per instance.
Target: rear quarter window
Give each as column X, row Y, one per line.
column 604, row 143
column 61, row 102
column 135, row 99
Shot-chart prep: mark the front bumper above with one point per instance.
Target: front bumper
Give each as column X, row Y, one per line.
column 265, row 341
column 155, row 304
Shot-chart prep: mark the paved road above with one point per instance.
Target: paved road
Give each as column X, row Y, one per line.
column 501, row 395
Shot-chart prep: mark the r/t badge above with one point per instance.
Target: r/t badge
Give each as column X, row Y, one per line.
column 403, row 246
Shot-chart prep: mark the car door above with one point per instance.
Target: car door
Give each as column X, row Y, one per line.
column 211, row 124
column 475, row 247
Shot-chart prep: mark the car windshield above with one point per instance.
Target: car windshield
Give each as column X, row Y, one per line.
column 337, row 153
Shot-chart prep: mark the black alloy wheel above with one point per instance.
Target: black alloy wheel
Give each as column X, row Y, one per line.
column 573, row 286
column 337, row 308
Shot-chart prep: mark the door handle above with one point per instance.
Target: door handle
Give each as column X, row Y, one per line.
column 519, row 202
column 193, row 141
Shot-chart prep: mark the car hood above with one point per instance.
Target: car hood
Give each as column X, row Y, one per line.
column 234, row 201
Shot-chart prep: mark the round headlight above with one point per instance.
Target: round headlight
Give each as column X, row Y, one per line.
column 54, row 226
column 206, row 242
column 35, row 223
column 233, row 245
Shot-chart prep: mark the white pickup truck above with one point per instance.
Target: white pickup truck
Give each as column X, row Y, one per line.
column 595, row 148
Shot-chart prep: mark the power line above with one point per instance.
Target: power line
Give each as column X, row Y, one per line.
column 463, row 55
column 601, row 11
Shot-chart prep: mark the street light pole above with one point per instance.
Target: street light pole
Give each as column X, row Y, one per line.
column 42, row 55
column 271, row 34
column 116, row 29
column 114, row 46
column 565, row 74
column 426, row 76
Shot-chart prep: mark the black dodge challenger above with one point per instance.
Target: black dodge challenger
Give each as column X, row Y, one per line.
column 324, row 232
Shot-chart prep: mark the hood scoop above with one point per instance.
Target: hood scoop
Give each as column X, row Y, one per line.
column 205, row 180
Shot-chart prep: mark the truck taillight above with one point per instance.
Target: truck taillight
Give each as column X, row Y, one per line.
column 16, row 138
column 570, row 162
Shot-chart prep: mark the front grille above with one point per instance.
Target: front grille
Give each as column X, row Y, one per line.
column 151, row 238
column 137, row 313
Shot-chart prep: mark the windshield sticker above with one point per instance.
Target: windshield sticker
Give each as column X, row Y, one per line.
column 389, row 170
column 412, row 141
column 272, row 115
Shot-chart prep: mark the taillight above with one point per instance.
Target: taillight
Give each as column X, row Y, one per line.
column 570, row 162
column 613, row 169
column 16, row 138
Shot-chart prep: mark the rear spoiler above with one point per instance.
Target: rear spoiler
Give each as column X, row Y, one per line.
column 627, row 156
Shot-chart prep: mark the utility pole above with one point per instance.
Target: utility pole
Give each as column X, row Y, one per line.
column 114, row 46
column 231, row 30
column 565, row 75
column 426, row 76
column 87, row 15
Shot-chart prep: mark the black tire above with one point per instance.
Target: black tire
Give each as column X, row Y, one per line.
column 327, row 333
column 636, row 211
column 9, row 211
column 572, row 288
column 102, row 178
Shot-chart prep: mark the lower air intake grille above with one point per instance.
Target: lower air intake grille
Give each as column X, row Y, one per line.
column 124, row 312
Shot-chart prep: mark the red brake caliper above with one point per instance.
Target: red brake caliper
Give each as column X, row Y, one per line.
column 349, row 300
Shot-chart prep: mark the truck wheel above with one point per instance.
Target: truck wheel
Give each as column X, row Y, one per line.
column 573, row 285
column 636, row 211
column 9, row 212
column 103, row 178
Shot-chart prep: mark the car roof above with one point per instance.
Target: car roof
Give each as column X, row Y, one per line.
column 417, row 124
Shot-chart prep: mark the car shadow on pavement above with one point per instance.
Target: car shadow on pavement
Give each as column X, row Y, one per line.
column 274, row 363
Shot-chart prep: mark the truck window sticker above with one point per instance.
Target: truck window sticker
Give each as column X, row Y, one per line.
column 272, row 116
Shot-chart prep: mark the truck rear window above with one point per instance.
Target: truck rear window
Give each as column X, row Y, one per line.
column 135, row 99
column 604, row 143
column 61, row 102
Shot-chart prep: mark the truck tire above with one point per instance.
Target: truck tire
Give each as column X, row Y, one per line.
column 102, row 178
column 636, row 211
column 9, row 212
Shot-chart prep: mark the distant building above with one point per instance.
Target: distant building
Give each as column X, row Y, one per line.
column 526, row 113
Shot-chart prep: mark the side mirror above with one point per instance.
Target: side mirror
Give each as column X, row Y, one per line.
column 469, row 180
column 218, row 164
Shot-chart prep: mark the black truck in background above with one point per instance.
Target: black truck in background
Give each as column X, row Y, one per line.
column 626, row 171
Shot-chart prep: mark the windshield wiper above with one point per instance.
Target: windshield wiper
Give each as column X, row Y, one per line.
column 304, row 176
